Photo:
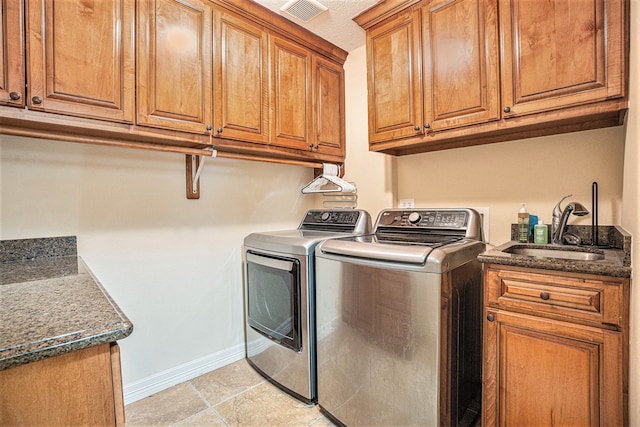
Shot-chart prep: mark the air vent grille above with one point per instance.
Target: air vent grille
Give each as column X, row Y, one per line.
column 305, row 10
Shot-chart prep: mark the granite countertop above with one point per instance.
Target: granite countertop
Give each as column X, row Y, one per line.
column 50, row 302
column 614, row 244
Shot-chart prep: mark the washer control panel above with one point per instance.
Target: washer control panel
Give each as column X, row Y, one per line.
column 347, row 220
column 426, row 218
column 331, row 217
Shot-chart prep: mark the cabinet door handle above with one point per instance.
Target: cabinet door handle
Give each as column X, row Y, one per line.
column 427, row 126
column 491, row 317
column 416, row 127
column 219, row 130
column 544, row 295
column 36, row 100
column 14, row 96
column 507, row 109
column 209, row 127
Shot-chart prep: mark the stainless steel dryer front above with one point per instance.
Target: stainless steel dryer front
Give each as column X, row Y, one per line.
column 279, row 277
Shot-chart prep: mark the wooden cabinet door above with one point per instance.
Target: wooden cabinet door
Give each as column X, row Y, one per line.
column 12, row 85
column 241, row 95
column 460, row 72
column 290, row 97
column 174, row 68
column 80, row 58
column 545, row 372
column 75, row 388
column 328, row 107
column 395, row 88
column 560, row 53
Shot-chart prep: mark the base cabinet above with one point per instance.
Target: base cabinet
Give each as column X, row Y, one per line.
column 544, row 366
column 83, row 387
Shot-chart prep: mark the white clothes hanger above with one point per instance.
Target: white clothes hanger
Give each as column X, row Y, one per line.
column 329, row 182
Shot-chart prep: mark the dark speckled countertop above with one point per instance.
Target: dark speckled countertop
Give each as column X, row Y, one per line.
column 50, row 302
column 614, row 244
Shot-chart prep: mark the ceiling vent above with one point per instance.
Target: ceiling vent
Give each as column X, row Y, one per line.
column 304, row 10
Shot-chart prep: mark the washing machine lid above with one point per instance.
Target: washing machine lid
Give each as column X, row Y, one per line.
column 439, row 237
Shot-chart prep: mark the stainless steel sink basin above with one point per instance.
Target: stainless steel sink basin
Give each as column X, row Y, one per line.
column 556, row 252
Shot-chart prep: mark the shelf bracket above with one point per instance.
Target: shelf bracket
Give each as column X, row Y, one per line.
column 194, row 164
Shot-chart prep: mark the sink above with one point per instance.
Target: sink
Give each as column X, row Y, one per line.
column 560, row 252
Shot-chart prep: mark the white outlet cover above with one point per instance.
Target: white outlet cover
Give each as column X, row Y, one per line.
column 407, row 203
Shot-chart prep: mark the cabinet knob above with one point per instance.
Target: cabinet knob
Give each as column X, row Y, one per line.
column 219, row 130
column 507, row 109
column 36, row 100
column 416, row 127
column 544, row 295
column 315, row 147
column 491, row 317
column 209, row 127
column 14, row 96
column 427, row 126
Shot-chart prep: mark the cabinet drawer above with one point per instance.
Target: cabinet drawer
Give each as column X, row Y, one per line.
column 575, row 297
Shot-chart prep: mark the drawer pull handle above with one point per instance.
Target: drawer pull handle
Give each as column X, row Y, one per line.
column 491, row 317
column 544, row 295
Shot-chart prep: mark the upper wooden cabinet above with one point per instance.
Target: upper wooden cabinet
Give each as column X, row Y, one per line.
column 174, row 69
column 172, row 75
column 460, row 68
column 558, row 67
column 11, row 53
column 241, row 79
column 560, row 54
column 80, row 58
column 393, row 73
column 290, row 94
column 328, row 107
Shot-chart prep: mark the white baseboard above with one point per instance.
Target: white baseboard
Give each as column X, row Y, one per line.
column 181, row 373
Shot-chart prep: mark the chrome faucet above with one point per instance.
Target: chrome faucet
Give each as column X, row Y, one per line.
column 560, row 217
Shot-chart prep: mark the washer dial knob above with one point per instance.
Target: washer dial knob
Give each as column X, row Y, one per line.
column 414, row 217
column 325, row 216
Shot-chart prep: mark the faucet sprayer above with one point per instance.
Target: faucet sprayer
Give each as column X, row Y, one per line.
column 560, row 217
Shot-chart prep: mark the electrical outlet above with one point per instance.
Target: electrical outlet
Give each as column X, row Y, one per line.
column 406, row 203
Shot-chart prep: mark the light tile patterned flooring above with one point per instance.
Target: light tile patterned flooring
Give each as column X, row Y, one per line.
column 235, row 395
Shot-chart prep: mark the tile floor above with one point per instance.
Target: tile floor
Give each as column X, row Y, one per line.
column 234, row 395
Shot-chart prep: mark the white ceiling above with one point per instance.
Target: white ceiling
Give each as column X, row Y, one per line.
column 336, row 24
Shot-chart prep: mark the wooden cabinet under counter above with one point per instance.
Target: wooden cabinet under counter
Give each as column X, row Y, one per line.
column 83, row 387
column 59, row 357
column 555, row 348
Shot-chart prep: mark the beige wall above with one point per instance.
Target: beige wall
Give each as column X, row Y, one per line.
column 173, row 265
column 373, row 173
column 536, row 171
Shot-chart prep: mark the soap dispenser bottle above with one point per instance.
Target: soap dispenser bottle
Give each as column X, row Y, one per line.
column 523, row 225
column 540, row 233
